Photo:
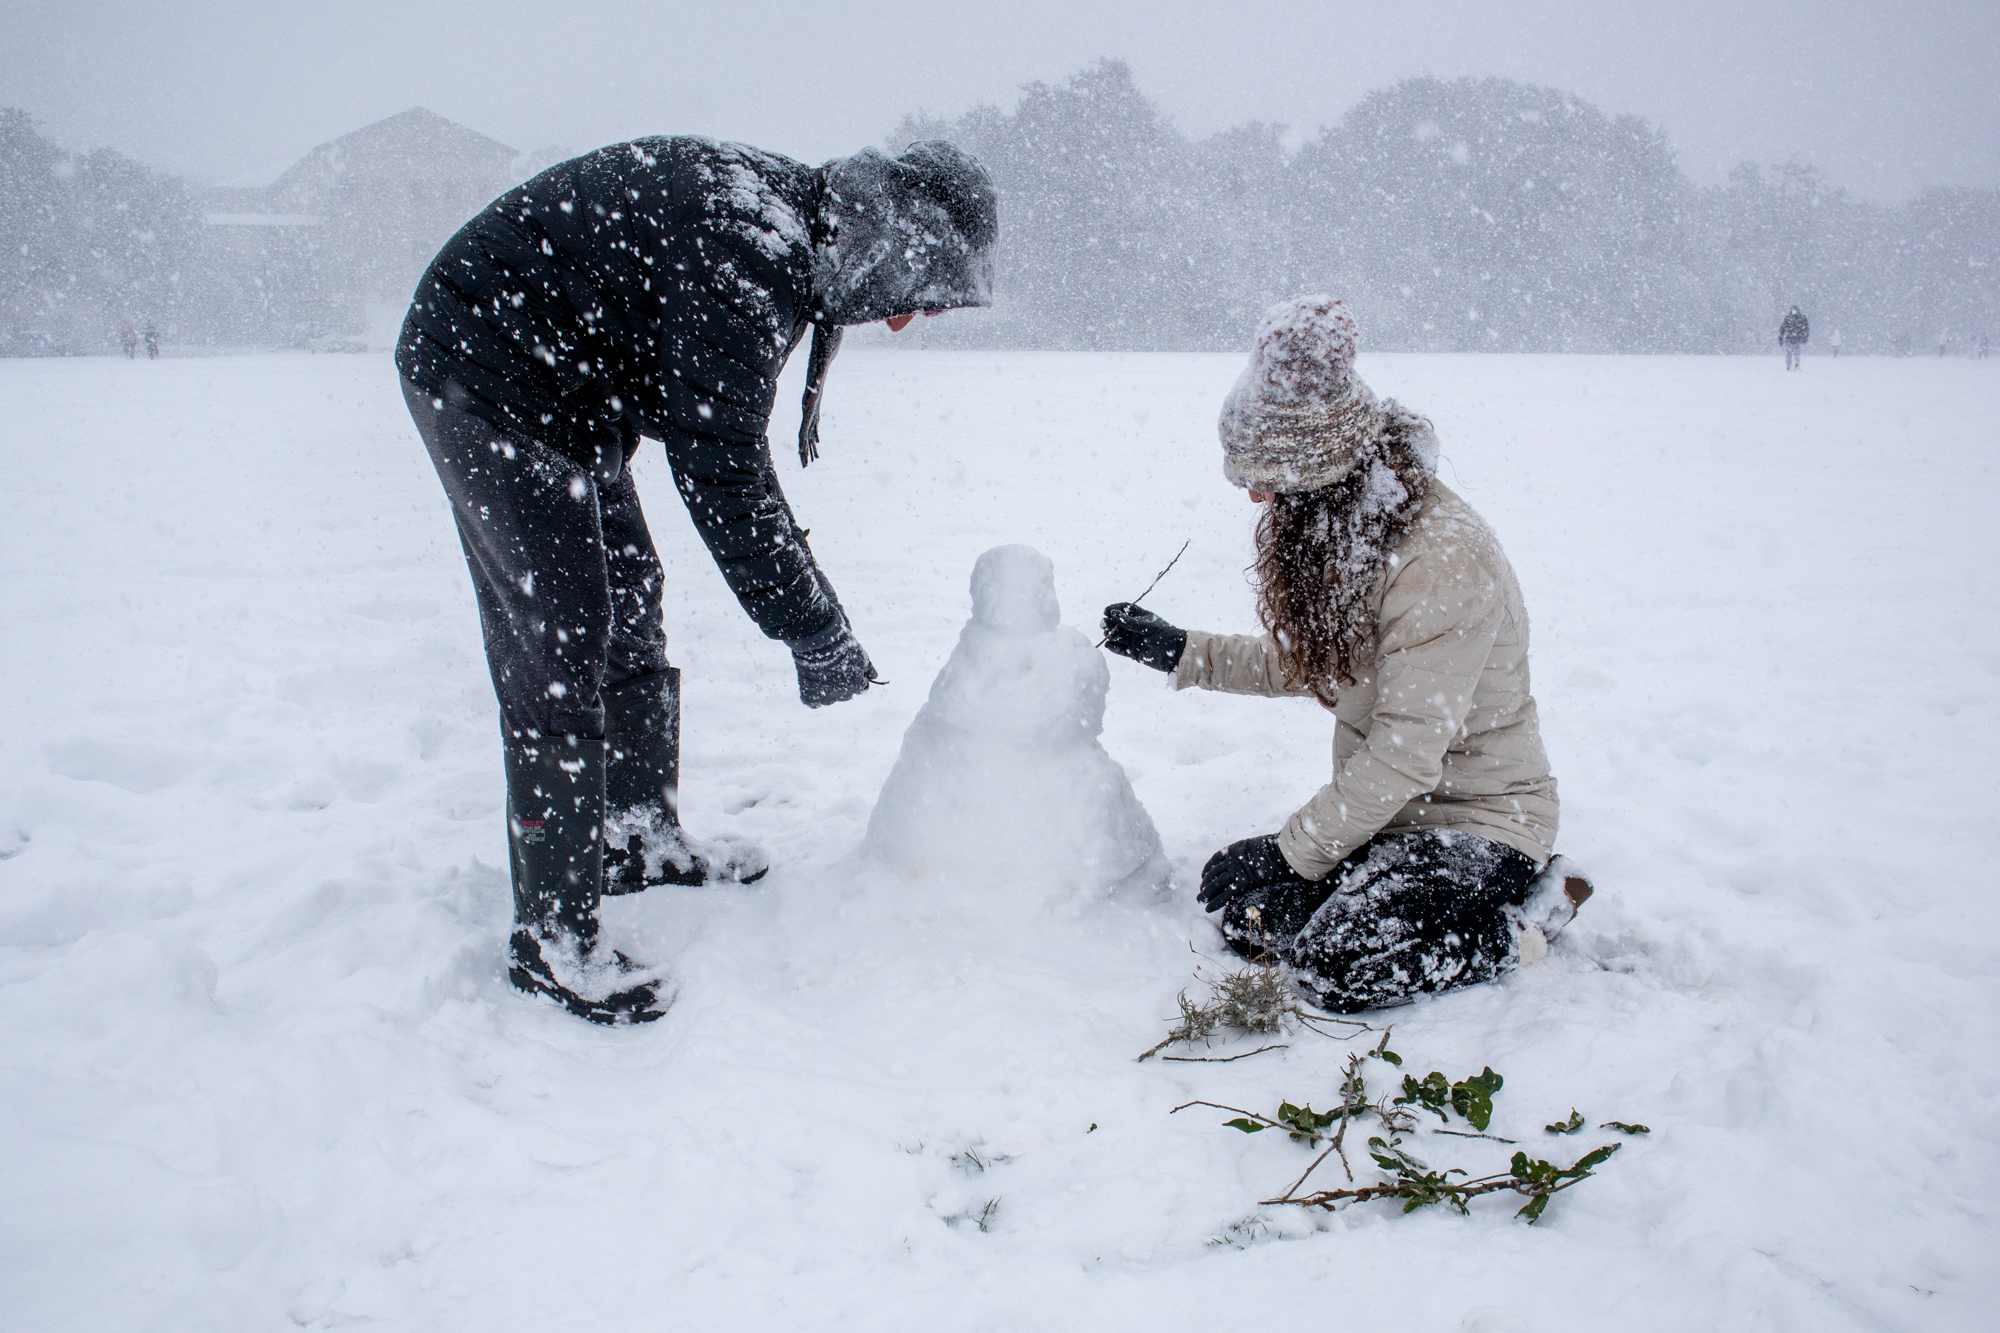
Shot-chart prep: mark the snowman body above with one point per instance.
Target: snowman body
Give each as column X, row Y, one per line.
column 1002, row 775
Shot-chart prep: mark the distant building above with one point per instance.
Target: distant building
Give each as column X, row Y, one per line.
column 353, row 223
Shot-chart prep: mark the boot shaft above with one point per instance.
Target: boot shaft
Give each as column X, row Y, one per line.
column 555, row 822
column 642, row 723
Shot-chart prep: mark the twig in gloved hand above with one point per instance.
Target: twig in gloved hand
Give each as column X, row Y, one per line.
column 1156, row 582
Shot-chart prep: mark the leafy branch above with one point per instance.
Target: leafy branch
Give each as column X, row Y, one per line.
column 1260, row 1000
column 1305, row 1125
column 1419, row 1187
column 1471, row 1097
column 1406, row 1177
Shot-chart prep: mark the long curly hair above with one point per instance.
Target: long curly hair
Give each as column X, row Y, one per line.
column 1321, row 553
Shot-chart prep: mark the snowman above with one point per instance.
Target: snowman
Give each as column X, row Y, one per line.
column 1002, row 776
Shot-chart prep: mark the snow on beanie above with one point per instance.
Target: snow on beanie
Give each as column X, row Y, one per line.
column 1299, row 418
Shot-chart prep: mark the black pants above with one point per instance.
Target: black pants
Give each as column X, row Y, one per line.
column 567, row 579
column 1409, row 913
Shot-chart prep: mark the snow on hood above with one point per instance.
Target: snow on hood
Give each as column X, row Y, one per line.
column 905, row 234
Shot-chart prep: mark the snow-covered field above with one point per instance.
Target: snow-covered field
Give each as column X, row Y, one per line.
column 260, row 1067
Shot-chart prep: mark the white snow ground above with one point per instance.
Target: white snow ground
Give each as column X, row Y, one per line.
column 262, row 1068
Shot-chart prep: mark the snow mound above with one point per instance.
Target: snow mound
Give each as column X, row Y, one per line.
column 1002, row 777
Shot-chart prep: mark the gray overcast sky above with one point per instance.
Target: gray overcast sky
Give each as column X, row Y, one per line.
column 1885, row 98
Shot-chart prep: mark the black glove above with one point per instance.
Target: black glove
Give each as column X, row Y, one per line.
column 831, row 666
column 1134, row 632
column 1241, row 868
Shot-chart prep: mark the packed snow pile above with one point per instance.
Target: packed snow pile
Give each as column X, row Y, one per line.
column 1002, row 776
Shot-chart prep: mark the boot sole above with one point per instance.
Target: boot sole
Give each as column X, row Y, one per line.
column 530, row 984
column 620, row 888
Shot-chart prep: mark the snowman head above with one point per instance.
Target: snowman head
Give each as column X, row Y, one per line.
column 1014, row 590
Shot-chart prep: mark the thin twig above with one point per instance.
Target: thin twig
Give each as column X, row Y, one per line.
column 1458, row 1194
column 1164, row 572
column 1462, row 1134
column 1255, row 1115
column 1321, row 1158
column 1155, row 583
column 1327, row 1198
column 1310, row 1019
column 1471, row 1189
column 1223, row 1059
column 1347, row 1110
column 1351, row 1089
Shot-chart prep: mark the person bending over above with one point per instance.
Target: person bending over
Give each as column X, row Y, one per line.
column 651, row 289
column 1385, row 597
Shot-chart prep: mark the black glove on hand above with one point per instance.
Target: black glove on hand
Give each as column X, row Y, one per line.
column 1134, row 632
column 1241, row 868
column 831, row 666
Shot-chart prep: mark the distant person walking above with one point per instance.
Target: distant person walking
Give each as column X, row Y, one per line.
column 1793, row 332
column 152, row 336
column 1944, row 338
column 1836, row 344
column 1979, row 349
column 128, row 340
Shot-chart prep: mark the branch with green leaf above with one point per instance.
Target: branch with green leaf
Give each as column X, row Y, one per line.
column 1418, row 1186
column 1406, row 1177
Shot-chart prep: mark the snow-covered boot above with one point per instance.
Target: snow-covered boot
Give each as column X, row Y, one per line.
column 644, row 841
column 1551, row 904
column 555, row 816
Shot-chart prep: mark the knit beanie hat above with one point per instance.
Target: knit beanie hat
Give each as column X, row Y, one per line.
column 1299, row 418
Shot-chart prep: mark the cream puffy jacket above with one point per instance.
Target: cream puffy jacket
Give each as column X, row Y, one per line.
column 1441, row 731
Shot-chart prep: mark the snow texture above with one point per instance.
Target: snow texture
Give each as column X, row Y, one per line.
column 770, row 222
column 1002, row 780
column 1299, row 418
column 1303, row 352
column 895, row 247
column 262, row 1068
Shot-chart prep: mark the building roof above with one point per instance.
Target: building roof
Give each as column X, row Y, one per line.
column 413, row 143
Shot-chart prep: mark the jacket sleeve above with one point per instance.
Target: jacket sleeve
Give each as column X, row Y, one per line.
column 1232, row 664
column 732, row 494
column 1438, row 629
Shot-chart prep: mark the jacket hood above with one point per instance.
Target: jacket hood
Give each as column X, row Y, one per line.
column 903, row 234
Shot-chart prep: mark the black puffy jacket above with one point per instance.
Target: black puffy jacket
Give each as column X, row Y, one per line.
column 658, row 287
column 1793, row 327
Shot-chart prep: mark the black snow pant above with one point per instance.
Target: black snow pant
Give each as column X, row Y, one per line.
column 1410, row 912
column 567, row 579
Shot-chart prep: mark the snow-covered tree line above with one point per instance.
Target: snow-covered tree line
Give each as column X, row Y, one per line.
column 1470, row 214
column 92, row 242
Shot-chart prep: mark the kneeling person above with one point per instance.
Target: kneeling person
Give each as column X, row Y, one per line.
column 1420, row 867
